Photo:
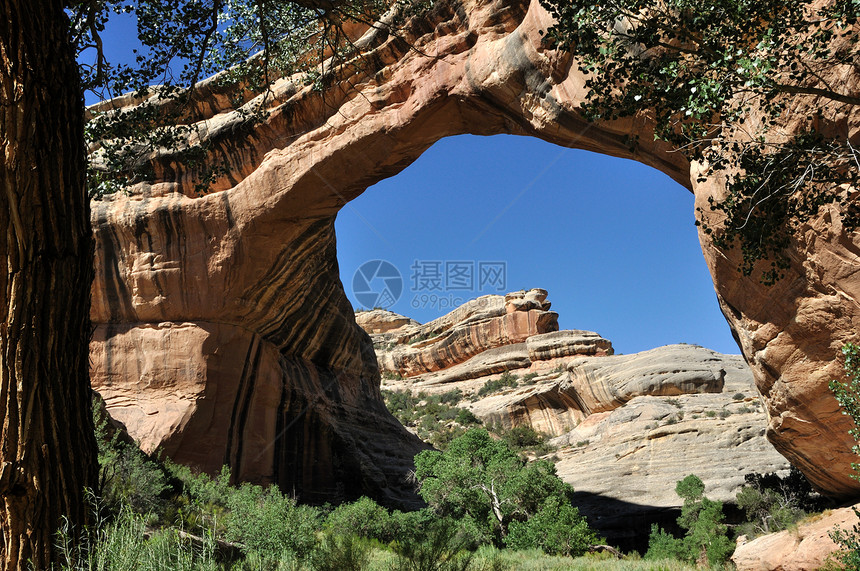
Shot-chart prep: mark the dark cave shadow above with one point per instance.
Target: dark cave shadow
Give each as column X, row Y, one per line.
column 624, row 524
column 627, row 525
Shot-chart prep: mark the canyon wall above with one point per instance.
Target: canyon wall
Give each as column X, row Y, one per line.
column 624, row 428
column 223, row 334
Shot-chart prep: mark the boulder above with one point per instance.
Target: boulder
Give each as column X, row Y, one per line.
column 809, row 546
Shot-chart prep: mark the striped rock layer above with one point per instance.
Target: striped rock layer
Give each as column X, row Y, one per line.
column 624, row 425
column 223, row 331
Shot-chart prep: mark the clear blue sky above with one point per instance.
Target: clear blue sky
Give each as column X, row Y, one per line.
column 612, row 240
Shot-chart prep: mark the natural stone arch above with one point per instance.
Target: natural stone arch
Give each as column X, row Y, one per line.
column 223, row 332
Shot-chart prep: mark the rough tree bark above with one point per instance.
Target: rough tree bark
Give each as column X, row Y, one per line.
column 47, row 447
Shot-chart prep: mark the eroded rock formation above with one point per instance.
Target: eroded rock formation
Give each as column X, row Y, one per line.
column 808, row 546
column 222, row 315
column 626, row 426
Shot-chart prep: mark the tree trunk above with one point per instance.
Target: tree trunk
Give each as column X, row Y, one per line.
column 47, row 448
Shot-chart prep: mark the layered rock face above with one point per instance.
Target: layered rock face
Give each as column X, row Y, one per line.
column 809, row 546
column 626, row 427
column 222, row 315
column 268, row 374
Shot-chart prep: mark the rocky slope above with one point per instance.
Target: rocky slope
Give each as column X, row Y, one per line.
column 808, row 546
column 626, row 427
column 222, row 318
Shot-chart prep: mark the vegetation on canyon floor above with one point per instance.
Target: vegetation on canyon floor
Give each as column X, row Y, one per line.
column 152, row 514
column 488, row 508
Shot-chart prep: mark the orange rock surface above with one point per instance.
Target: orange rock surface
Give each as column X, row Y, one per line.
column 809, row 546
column 224, row 334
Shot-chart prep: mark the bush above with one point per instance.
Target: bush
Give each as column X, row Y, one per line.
column 702, row 519
column 557, row 529
column 362, row 518
column 529, row 377
column 525, row 436
column 773, row 503
column 849, row 542
column 466, row 417
column 128, row 476
column 269, row 523
column 494, row 385
column 441, row 548
column 431, row 415
column 662, row 545
column 409, row 526
column 341, row 553
column 847, row 394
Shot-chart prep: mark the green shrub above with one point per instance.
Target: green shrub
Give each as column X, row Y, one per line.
column 441, row 548
column 362, row 518
column 400, row 404
column 739, row 396
column 529, row 377
column 772, row 502
column 662, row 545
column 127, row 475
column 269, row 523
column 341, row 553
column 847, row 394
column 409, row 526
column 433, row 416
column 520, row 437
column 494, row 385
column 702, row 519
column 466, row 417
column 557, row 529
column 451, row 397
column 849, row 543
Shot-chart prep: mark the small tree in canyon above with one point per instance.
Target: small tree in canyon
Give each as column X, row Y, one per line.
column 519, row 504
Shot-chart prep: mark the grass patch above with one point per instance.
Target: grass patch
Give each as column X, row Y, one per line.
column 495, row 385
column 435, row 418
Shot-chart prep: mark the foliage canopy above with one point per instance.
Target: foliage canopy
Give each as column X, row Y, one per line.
column 517, row 503
column 847, row 394
column 703, row 69
column 702, row 518
column 246, row 45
